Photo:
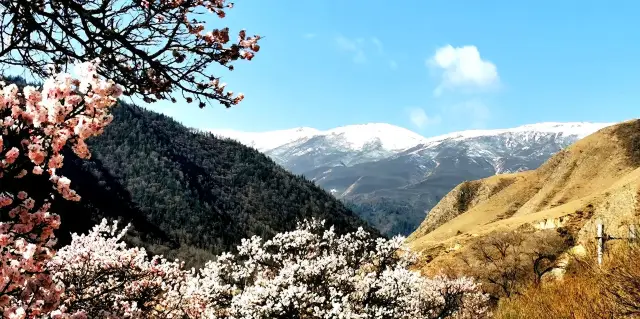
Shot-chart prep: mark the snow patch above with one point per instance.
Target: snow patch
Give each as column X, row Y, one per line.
column 386, row 138
column 390, row 137
column 578, row 129
column 264, row 141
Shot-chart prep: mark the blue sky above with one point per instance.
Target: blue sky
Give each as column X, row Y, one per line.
column 430, row 66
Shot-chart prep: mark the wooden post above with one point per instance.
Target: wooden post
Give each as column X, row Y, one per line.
column 600, row 237
column 632, row 233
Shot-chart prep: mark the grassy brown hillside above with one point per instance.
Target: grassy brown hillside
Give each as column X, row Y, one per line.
column 597, row 177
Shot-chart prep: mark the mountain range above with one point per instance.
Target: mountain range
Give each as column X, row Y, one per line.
column 392, row 176
column 595, row 180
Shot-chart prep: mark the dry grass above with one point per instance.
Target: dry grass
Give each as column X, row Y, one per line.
column 621, row 279
column 575, row 297
column 502, row 184
column 594, row 171
column 587, row 292
column 448, row 208
column 630, row 138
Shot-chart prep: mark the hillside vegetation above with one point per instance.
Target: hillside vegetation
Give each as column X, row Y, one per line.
column 587, row 291
column 188, row 194
column 596, row 178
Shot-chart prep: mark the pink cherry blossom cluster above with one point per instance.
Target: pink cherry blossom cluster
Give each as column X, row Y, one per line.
column 36, row 125
column 66, row 112
column 27, row 245
column 306, row 273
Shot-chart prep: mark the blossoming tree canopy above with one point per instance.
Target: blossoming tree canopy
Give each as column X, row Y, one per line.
column 155, row 49
column 105, row 279
column 36, row 125
column 310, row 272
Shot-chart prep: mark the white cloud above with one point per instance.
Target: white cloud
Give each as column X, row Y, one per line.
column 378, row 45
column 463, row 67
column 420, row 118
column 354, row 47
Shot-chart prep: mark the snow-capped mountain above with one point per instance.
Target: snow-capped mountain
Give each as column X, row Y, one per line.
column 459, row 156
column 265, row 141
column 525, row 132
column 499, row 147
column 383, row 167
column 304, row 149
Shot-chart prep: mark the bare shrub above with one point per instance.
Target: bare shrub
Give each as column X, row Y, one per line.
column 574, row 297
column 466, row 194
column 507, row 262
column 620, row 279
column 587, row 291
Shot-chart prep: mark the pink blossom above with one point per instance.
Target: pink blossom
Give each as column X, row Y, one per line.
column 44, row 126
column 12, row 155
column 37, row 170
column 56, row 161
column 5, row 200
column 36, row 154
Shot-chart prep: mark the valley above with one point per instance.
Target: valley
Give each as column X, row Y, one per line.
column 393, row 177
column 188, row 195
column 414, row 160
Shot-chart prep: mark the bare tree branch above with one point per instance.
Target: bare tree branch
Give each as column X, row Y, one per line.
column 155, row 49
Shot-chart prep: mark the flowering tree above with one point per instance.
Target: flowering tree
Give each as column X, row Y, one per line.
column 35, row 127
column 311, row 273
column 105, row 279
column 306, row 273
column 153, row 48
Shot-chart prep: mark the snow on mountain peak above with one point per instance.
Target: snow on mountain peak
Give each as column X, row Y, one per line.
column 264, row 141
column 394, row 138
column 391, row 137
column 356, row 137
column 578, row 129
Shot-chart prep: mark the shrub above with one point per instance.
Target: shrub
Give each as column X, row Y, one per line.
column 507, row 262
column 466, row 194
column 588, row 291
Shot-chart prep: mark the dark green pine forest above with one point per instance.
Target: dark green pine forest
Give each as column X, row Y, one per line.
column 390, row 217
column 188, row 194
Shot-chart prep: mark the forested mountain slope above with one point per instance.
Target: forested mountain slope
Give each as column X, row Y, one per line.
column 188, row 194
column 392, row 177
